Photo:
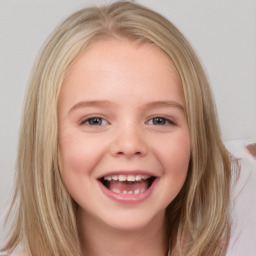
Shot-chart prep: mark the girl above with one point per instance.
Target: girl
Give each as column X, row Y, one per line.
column 120, row 151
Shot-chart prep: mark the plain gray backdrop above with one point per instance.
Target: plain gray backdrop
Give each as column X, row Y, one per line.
column 223, row 34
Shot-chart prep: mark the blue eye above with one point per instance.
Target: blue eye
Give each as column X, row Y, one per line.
column 160, row 121
column 95, row 121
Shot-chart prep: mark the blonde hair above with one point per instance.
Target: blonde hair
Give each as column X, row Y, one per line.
column 45, row 217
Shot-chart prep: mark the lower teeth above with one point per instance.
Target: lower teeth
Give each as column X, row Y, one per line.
column 131, row 192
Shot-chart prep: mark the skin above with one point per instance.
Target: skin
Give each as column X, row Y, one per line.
column 126, row 86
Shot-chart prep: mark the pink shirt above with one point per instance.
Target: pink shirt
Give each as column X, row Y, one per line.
column 243, row 212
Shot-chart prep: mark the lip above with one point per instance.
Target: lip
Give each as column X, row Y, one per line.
column 128, row 198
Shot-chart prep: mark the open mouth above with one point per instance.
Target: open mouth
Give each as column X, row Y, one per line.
column 128, row 184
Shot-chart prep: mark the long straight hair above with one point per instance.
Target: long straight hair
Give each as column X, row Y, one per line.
column 44, row 213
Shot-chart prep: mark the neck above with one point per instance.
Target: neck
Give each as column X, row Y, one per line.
column 98, row 239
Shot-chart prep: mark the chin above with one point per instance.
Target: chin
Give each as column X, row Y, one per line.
column 132, row 220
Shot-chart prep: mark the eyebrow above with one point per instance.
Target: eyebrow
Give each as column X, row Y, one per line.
column 105, row 103
column 166, row 103
column 91, row 103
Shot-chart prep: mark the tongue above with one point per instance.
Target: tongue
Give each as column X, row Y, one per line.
column 128, row 186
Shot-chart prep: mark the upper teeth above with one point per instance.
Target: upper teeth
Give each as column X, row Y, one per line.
column 122, row 177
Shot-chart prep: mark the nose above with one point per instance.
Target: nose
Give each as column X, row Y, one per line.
column 129, row 141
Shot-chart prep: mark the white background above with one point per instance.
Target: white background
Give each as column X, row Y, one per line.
column 223, row 33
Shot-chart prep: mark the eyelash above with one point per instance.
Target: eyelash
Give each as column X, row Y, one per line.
column 163, row 121
column 94, row 119
column 99, row 121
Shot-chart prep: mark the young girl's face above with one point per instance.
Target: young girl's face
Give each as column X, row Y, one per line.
column 123, row 135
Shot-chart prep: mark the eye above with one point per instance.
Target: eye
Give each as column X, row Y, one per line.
column 158, row 120
column 95, row 121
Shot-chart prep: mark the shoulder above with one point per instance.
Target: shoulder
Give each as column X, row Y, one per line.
column 16, row 252
column 13, row 254
column 244, row 186
column 243, row 211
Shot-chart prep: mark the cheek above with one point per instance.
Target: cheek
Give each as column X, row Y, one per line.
column 76, row 151
column 73, row 156
column 76, row 159
column 174, row 154
column 76, row 163
column 175, row 150
column 79, row 157
column 180, row 157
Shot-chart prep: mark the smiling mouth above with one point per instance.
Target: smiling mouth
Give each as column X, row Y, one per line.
column 127, row 184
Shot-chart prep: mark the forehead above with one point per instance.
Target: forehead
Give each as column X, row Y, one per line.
column 117, row 67
column 123, row 51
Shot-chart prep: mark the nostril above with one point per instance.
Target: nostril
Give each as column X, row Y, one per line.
column 129, row 153
column 128, row 147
